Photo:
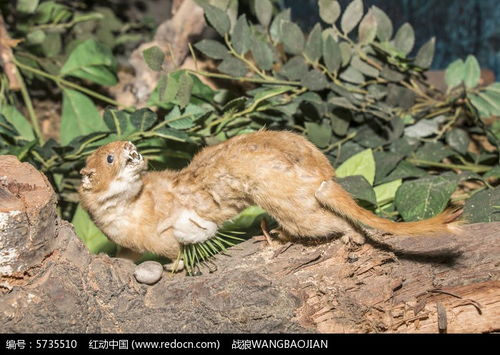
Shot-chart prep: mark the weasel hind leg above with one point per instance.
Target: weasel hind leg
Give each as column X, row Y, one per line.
column 324, row 193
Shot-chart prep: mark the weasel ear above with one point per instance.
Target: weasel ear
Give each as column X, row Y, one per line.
column 86, row 181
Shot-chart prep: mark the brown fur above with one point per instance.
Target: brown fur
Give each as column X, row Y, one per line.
column 280, row 171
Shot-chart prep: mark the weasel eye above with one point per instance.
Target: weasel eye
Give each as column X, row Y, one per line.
column 110, row 159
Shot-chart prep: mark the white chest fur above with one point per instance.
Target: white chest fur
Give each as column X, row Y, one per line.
column 190, row 228
column 113, row 221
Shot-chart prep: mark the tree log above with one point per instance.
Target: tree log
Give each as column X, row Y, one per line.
column 50, row 282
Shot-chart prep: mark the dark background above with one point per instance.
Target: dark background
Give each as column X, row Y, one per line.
column 461, row 27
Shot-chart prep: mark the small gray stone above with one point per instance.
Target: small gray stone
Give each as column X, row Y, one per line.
column 148, row 272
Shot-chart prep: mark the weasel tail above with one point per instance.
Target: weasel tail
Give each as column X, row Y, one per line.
column 333, row 196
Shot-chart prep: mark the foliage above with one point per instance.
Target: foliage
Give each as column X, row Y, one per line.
column 352, row 86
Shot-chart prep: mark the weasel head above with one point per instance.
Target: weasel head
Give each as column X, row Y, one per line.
column 112, row 169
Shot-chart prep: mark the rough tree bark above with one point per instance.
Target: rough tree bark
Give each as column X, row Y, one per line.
column 50, row 283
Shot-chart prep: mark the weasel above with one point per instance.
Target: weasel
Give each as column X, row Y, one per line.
column 280, row 171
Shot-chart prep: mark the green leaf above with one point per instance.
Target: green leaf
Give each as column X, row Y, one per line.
column 79, row 116
column 154, row 57
column 91, row 236
column 495, row 87
column 169, row 91
column 232, row 66
column 384, row 24
column 424, row 127
column 217, row 19
column 20, row 123
column 342, row 102
column 472, row 72
column 400, row 96
column 27, row 6
column 424, row 198
column 493, row 91
column 455, row 73
column 483, row 106
column 319, row 134
column 212, row 49
column 352, row 75
column 241, row 36
column 295, row 69
column 364, row 68
column 368, row 28
column 314, row 80
column 21, row 151
column 458, row 139
column 36, row 37
column 293, row 38
column 433, row 151
column 165, row 92
column 47, row 11
column 329, row 10
column 385, row 162
column 346, row 51
column 263, row 54
column 386, row 193
column 484, row 206
column 404, row 170
column 6, row 128
column 314, row 45
column 493, row 99
column 340, row 119
column 116, row 121
column 185, row 120
column 171, row 134
column 405, row 39
column 360, row 189
column 185, row 89
column 231, row 8
column 51, row 45
column 92, row 61
column 266, row 93
column 53, row 12
column 276, row 29
column 332, row 55
column 143, row 119
column 495, row 129
column 352, row 15
column 391, row 75
column 495, row 172
column 425, row 54
column 362, row 164
column 263, row 11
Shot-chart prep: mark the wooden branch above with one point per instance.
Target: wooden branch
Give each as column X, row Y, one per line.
column 50, row 283
column 6, row 56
